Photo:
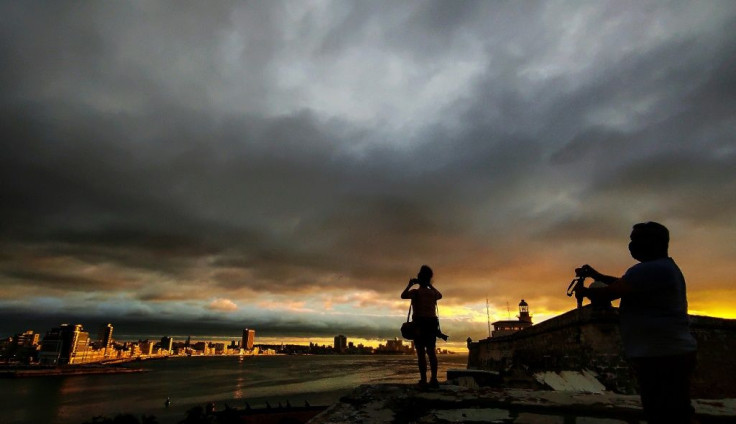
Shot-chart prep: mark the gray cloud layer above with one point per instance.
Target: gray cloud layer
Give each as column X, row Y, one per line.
column 281, row 148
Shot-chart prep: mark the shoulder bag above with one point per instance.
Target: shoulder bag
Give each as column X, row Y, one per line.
column 409, row 328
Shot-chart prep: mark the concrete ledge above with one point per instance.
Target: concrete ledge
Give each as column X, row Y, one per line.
column 474, row 378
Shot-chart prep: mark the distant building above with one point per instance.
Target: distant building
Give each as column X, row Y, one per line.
column 22, row 347
column 26, row 339
column 66, row 344
column 167, row 344
column 505, row 328
column 104, row 336
column 134, row 350
column 217, row 348
column 200, row 348
column 249, row 338
column 341, row 344
column 146, row 347
column 394, row 345
column 82, row 348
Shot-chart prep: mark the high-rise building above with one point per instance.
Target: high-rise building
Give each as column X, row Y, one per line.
column 146, row 347
column 395, row 345
column 167, row 343
column 104, row 336
column 341, row 343
column 217, row 348
column 22, row 347
column 61, row 345
column 249, row 337
column 26, row 339
column 51, row 347
column 82, row 348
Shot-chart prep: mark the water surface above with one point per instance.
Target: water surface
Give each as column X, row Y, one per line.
column 318, row 379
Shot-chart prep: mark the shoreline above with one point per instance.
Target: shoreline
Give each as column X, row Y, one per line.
column 117, row 366
column 69, row 371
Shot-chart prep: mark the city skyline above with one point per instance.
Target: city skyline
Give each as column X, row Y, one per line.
column 288, row 166
column 68, row 344
column 105, row 334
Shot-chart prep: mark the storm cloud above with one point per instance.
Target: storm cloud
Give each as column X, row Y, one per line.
column 193, row 159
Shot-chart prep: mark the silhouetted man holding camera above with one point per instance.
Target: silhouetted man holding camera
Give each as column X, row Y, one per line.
column 654, row 323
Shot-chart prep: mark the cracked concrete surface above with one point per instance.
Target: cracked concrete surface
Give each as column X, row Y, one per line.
column 401, row 403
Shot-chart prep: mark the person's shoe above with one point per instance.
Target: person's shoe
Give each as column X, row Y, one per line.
column 434, row 384
column 422, row 385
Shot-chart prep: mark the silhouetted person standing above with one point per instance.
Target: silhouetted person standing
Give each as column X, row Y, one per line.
column 424, row 302
column 655, row 328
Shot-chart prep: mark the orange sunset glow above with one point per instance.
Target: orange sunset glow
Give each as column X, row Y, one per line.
column 288, row 167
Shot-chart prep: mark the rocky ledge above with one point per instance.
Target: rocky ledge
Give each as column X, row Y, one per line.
column 401, row 403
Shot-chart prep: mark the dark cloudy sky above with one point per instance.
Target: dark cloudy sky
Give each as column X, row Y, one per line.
column 198, row 167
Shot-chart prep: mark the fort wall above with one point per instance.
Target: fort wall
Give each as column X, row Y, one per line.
column 589, row 338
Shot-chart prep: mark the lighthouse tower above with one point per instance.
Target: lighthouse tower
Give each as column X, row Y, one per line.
column 505, row 328
column 524, row 312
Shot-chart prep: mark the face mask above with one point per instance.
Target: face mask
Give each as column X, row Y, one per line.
column 642, row 251
column 635, row 250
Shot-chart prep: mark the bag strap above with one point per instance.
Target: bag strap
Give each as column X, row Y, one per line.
column 437, row 309
column 407, row 315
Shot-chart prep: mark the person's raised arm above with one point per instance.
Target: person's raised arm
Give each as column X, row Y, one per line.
column 405, row 294
column 615, row 287
column 589, row 271
column 437, row 293
column 614, row 290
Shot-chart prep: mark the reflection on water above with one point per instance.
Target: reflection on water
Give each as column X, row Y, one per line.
column 238, row 393
column 196, row 381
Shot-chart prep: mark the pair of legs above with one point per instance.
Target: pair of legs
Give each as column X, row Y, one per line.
column 430, row 352
column 664, row 387
column 424, row 343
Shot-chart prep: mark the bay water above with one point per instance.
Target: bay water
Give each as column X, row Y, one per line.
column 195, row 381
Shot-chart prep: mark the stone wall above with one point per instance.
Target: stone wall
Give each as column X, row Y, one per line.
column 716, row 356
column 588, row 338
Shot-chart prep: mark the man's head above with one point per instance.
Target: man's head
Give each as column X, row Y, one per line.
column 649, row 241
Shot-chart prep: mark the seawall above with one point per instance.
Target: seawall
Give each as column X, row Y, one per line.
column 589, row 338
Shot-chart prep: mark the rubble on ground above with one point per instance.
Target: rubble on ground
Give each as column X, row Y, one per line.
column 452, row 403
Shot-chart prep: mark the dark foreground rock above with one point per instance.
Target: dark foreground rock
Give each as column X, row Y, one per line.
column 397, row 403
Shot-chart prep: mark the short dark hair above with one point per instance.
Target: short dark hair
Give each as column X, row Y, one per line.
column 657, row 233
